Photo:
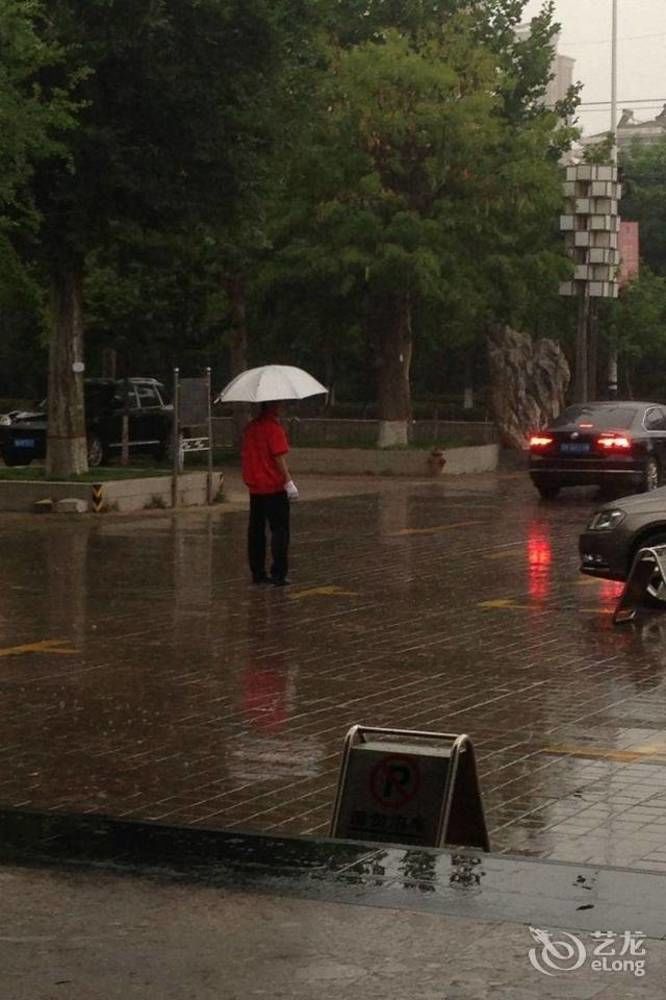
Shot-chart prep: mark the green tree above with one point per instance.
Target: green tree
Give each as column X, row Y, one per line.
column 644, row 199
column 635, row 326
column 34, row 119
column 165, row 132
column 33, row 115
column 416, row 186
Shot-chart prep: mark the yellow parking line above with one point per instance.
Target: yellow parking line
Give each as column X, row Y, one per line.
column 61, row 647
column 297, row 595
column 509, row 604
column 504, row 604
column 599, row 753
column 658, row 747
column 434, row 530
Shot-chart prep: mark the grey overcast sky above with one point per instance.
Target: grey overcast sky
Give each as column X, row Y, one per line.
column 586, row 34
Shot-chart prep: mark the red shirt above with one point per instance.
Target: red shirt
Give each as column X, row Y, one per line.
column 264, row 439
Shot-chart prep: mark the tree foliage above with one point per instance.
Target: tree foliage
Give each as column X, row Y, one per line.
column 644, row 200
column 635, row 327
column 173, row 108
column 33, row 115
column 342, row 178
column 36, row 121
column 426, row 190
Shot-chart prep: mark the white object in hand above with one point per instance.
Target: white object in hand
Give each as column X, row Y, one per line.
column 291, row 490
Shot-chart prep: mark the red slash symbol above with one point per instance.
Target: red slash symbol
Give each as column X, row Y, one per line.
column 394, row 781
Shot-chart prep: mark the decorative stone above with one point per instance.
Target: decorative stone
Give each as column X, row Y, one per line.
column 71, row 505
column 528, row 383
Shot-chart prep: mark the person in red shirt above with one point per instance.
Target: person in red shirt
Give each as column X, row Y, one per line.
column 266, row 475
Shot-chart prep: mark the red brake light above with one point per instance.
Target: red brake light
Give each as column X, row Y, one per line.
column 614, row 442
column 540, row 441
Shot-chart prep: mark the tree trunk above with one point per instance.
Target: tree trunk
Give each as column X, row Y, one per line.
column 391, row 321
column 593, row 352
column 582, row 383
column 235, row 288
column 109, row 363
column 612, row 387
column 329, row 376
column 67, row 450
column 468, row 397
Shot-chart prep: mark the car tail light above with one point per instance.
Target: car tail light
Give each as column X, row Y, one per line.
column 540, row 441
column 614, row 442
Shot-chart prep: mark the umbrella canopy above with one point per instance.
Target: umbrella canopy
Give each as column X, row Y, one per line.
column 270, row 382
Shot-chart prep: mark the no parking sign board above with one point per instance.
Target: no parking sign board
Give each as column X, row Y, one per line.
column 395, row 781
column 399, row 786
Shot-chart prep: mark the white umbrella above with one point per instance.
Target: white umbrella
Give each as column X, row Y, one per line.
column 270, row 382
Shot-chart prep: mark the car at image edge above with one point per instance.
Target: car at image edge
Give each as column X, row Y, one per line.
column 618, row 446
column 150, row 420
column 616, row 532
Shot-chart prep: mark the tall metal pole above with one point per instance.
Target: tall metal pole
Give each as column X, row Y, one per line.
column 582, row 385
column 209, row 476
column 175, row 438
column 614, row 84
column 612, row 358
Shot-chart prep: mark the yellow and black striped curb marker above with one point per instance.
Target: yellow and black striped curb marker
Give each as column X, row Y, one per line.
column 98, row 498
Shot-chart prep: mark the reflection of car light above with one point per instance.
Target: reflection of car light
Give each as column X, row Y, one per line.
column 589, row 557
column 539, row 560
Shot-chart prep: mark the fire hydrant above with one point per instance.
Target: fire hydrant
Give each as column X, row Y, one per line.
column 436, row 462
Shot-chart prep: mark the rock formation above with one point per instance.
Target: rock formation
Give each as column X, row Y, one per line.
column 528, row 383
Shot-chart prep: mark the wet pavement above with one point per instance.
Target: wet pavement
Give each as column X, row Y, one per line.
column 487, row 888
column 98, row 935
column 118, row 908
column 142, row 676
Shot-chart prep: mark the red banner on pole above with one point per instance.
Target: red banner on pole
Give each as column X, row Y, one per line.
column 629, row 245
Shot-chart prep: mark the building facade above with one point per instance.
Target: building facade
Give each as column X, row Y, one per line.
column 629, row 130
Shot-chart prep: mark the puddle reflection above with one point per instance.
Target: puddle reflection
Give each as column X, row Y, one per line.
column 266, row 688
column 67, row 566
column 539, row 560
column 421, row 870
column 266, row 699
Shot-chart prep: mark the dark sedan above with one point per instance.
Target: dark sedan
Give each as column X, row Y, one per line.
column 107, row 402
column 616, row 532
column 616, row 445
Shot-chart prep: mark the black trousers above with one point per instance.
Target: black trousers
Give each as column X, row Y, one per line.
column 274, row 509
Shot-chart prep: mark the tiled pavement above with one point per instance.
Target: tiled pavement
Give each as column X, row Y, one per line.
column 142, row 676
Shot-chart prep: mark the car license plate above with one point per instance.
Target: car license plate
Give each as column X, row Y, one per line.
column 575, row 448
column 24, row 442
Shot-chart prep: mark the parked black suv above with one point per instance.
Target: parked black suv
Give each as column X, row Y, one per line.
column 107, row 400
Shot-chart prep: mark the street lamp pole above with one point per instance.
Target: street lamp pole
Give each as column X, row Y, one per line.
column 614, row 83
column 612, row 358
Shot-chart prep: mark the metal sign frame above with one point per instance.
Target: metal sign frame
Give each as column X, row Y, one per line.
column 642, row 570
column 462, row 764
column 180, row 445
